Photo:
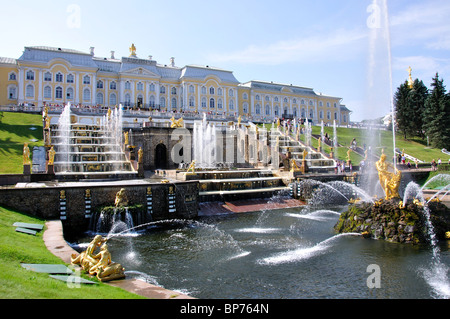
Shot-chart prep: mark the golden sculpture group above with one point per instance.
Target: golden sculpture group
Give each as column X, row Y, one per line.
column 176, row 123
column 100, row 264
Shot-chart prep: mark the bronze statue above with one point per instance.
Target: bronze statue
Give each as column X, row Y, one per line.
column 390, row 182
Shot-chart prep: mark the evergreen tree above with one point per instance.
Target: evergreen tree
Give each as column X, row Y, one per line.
column 437, row 115
column 416, row 101
column 403, row 115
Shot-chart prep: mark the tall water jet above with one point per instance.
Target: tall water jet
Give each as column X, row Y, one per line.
column 64, row 129
column 205, row 151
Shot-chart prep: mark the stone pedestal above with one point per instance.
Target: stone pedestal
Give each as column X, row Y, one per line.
column 50, row 169
column 26, row 169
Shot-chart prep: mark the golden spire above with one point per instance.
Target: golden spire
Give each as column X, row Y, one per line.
column 410, row 80
column 133, row 51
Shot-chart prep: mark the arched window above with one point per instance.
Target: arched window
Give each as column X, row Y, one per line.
column 191, row 89
column 12, row 76
column 152, row 87
column 58, row 92
column 127, row 85
column 99, row 84
column 328, row 115
column 47, row 92
column 86, row 79
column 127, row 99
column 245, row 96
column 203, row 90
column 230, row 92
column 211, row 90
column 30, row 75
column 12, row 92
column 211, row 103
column 267, row 109
column 59, row 77
column 277, row 110
column 258, row 109
column 99, row 98
column 112, row 85
column 69, row 93
column 311, row 114
column 152, row 101
column 47, row 76
column 69, row 78
column 174, row 103
column 294, row 112
column 257, row 98
column 245, row 107
column 219, row 91
column 29, row 91
column 112, row 99
column 86, row 94
column 321, row 114
column 191, row 101
column 140, row 86
column 231, row 104
column 162, row 89
column 219, row 104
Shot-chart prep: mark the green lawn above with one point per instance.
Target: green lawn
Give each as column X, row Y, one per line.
column 19, row 283
column 15, row 130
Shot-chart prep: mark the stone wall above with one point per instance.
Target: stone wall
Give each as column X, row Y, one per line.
column 45, row 202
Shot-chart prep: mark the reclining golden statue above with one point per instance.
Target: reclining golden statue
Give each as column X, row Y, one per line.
column 176, row 123
column 100, row 264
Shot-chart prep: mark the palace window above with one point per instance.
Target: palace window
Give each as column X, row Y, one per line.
column 203, row 90
column 69, row 93
column 211, row 90
column 294, row 112
column 310, row 103
column 311, row 114
column 127, row 85
column 12, row 76
column 162, row 89
column 329, row 115
column 29, row 91
column 294, row 101
column 211, row 103
column 285, row 100
column 47, row 92
column 174, row 103
column 99, row 98
column 127, row 100
column 140, row 86
column 320, row 103
column 219, row 104
column 267, row 98
column 276, row 99
column 204, row 102
column 99, row 84
column 12, row 93
column 328, row 104
column 86, row 79
column 258, row 109
column 86, row 94
column 47, row 76
column 335, row 116
column 245, row 107
column 219, row 91
column 59, row 77
column 174, row 91
column 245, row 96
column 267, row 109
column 321, row 114
column 230, row 92
column 70, row 78
column 112, row 99
column 191, row 89
column 152, row 87
column 152, row 101
column 231, row 104
column 277, row 110
column 30, row 75
column 162, row 101
column 303, row 102
column 257, row 98
column 335, row 104
column 113, row 85
column 58, row 92
column 191, row 101
column 303, row 114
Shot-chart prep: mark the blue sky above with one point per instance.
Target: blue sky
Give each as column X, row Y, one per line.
column 332, row 46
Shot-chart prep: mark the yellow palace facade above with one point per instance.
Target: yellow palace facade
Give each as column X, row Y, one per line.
column 47, row 75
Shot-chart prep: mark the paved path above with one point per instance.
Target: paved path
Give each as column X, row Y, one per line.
column 56, row 244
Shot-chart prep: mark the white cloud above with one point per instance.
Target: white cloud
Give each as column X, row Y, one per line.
column 336, row 46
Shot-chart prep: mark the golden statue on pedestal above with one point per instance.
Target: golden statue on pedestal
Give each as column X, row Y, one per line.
column 191, row 168
column 390, row 182
column 133, row 51
column 26, row 154
column 100, row 264
column 51, row 156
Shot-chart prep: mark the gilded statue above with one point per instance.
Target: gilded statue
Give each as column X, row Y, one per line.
column 51, row 156
column 191, row 167
column 239, row 121
column 99, row 264
column 294, row 166
column 126, row 137
column 389, row 181
column 132, row 51
column 140, row 155
column 176, row 123
column 26, row 154
column 121, row 198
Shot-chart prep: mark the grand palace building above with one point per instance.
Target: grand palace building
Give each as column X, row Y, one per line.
column 47, row 75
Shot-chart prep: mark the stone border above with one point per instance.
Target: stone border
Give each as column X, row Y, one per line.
column 57, row 245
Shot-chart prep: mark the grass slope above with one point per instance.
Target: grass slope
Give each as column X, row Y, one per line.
column 19, row 283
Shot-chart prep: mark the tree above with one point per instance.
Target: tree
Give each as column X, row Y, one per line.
column 437, row 115
column 416, row 101
column 403, row 115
